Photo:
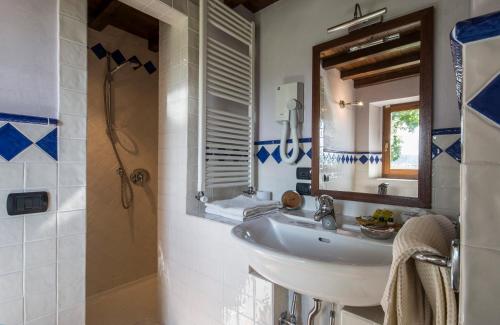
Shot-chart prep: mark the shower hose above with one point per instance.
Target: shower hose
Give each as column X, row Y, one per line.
column 126, row 192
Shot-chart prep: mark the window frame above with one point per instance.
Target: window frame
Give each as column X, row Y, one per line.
column 387, row 172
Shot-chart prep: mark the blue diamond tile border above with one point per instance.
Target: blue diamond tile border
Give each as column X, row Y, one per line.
column 99, row 51
column 276, row 154
column 477, row 28
column 49, row 143
column 118, row 57
column 457, row 56
column 263, row 154
column 150, row 67
column 487, row 101
column 268, row 148
column 12, row 141
column 299, row 157
column 435, row 150
column 455, row 151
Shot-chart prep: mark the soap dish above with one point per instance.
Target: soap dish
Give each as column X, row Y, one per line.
column 378, row 232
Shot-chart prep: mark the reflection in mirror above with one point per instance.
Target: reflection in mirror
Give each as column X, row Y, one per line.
column 370, row 114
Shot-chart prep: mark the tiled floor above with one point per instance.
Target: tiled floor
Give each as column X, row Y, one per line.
column 131, row 304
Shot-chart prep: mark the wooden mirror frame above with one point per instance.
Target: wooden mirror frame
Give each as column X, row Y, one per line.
column 426, row 19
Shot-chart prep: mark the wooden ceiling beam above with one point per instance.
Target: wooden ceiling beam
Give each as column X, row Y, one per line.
column 407, row 60
column 121, row 16
column 405, row 42
column 252, row 5
column 103, row 17
column 234, row 3
column 389, row 76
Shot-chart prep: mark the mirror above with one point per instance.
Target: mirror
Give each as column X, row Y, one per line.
column 372, row 113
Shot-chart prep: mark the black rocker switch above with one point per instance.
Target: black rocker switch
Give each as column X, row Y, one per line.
column 24, row 203
column 303, row 173
column 303, row 188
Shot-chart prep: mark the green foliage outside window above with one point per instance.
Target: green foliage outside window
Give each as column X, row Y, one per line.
column 402, row 121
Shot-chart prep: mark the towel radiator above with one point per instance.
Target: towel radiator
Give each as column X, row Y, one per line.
column 225, row 99
column 453, row 262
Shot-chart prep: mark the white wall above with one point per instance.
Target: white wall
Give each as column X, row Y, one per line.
column 288, row 30
column 339, row 127
column 42, row 256
column 29, row 57
column 480, row 191
column 481, row 7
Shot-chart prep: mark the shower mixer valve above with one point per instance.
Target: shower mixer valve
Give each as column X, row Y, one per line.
column 139, row 176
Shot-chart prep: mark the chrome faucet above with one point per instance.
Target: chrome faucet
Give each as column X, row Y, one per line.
column 326, row 212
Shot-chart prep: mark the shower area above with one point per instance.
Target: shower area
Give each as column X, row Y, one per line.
column 122, row 167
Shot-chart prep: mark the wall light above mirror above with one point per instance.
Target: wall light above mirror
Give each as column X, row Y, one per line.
column 372, row 113
column 342, row 103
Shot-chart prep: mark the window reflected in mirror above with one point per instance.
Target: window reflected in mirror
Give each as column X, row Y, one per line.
column 401, row 138
column 370, row 115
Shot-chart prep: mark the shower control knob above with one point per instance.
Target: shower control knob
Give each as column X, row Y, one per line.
column 139, row 176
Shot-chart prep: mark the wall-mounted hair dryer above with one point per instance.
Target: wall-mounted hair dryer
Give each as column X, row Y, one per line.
column 289, row 113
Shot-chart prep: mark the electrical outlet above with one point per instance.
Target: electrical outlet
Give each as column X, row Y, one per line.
column 303, row 188
column 303, row 173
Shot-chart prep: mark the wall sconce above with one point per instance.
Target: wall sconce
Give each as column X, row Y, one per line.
column 343, row 104
column 358, row 19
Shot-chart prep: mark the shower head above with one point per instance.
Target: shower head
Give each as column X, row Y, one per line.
column 133, row 61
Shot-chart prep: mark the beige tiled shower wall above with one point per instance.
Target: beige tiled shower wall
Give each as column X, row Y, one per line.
column 42, row 256
column 121, row 244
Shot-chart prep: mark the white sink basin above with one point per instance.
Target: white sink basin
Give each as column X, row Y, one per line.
column 340, row 266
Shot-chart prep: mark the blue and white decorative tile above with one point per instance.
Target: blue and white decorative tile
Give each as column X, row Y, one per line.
column 276, row 154
column 479, row 38
column 34, row 131
column 455, row 151
column 475, row 39
column 363, row 159
column 119, row 58
column 263, row 154
column 99, row 51
column 299, row 157
column 487, row 101
column 435, row 150
column 33, row 140
column 457, row 55
column 266, row 149
column 442, row 140
column 150, row 67
column 49, row 143
column 12, row 142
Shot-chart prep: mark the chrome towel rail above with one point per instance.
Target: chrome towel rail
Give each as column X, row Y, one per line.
column 226, row 71
column 453, row 262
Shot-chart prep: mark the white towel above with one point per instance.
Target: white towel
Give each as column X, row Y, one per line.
column 241, row 208
column 418, row 293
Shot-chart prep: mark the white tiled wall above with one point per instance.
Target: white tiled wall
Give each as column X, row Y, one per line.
column 480, row 194
column 28, row 59
column 275, row 23
column 203, row 277
column 42, row 256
